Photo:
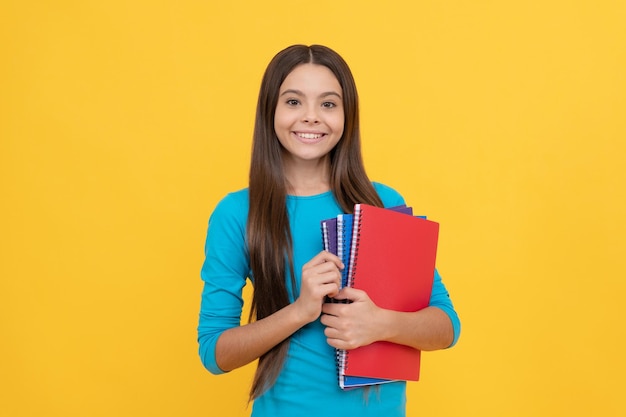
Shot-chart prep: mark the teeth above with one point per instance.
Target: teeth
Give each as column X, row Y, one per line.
column 310, row 135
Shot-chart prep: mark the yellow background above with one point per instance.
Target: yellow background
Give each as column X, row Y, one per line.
column 122, row 123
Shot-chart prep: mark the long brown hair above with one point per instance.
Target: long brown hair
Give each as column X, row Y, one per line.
column 269, row 235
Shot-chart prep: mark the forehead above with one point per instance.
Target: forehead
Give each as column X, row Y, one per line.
column 311, row 77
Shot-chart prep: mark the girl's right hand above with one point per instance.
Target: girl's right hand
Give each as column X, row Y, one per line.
column 321, row 277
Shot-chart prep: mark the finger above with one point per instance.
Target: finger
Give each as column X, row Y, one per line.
column 339, row 339
column 335, row 343
column 332, row 333
column 332, row 309
column 325, row 267
column 327, row 308
column 352, row 294
column 341, row 344
column 322, row 285
column 328, row 320
column 329, row 277
column 331, row 289
column 322, row 257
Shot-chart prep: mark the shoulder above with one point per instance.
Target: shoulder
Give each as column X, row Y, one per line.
column 232, row 208
column 236, row 200
column 390, row 196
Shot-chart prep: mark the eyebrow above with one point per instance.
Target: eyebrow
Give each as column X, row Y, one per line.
column 300, row 93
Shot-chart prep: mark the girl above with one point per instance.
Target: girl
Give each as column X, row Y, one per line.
column 306, row 166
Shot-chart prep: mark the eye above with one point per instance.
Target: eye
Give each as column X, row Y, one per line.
column 292, row 102
column 328, row 104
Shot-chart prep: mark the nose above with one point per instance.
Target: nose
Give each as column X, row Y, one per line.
column 310, row 115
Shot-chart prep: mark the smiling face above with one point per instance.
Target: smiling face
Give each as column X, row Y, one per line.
column 309, row 116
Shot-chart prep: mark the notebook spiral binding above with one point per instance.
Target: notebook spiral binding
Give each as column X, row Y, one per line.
column 325, row 235
column 354, row 247
column 340, row 251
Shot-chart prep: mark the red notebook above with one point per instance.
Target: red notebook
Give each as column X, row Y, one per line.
column 393, row 260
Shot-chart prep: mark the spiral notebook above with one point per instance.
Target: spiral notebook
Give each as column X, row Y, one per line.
column 337, row 238
column 393, row 259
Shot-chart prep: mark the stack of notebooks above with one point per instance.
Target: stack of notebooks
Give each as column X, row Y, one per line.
column 390, row 254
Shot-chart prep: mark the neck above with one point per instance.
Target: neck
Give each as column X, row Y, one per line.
column 308, row 178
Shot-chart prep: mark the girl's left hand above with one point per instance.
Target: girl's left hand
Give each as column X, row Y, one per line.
column 349, row 326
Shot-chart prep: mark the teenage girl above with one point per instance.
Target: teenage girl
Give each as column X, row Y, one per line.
column 306, row 166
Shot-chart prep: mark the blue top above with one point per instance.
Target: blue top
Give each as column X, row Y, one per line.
column 308, row 382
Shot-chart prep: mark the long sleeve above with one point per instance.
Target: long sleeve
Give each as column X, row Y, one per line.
column 224, row 274
column 441, row 298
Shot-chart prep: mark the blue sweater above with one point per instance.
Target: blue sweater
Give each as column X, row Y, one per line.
column 308, row 382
